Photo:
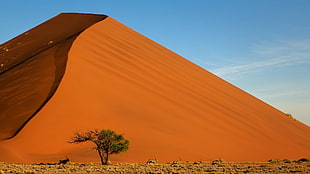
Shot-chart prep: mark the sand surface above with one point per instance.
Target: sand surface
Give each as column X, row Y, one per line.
column 168, row 107
column 32, row 66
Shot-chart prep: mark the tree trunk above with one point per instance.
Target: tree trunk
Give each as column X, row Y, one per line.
column 107, row 157
column 101, row 157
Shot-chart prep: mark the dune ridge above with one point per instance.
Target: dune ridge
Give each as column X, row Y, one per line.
column 168, row 107
column 32, row 66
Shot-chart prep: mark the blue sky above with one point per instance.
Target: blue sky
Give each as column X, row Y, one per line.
column 261, row 46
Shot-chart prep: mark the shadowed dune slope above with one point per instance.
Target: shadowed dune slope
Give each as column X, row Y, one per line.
column 32, row 65
column 168, row 107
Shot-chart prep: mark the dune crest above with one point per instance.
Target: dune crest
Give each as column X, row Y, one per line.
column 32, row 66
column 168, row 107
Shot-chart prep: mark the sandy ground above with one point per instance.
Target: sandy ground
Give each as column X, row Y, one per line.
column 183, row 168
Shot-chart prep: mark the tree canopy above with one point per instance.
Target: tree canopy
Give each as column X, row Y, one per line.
column 107, row 142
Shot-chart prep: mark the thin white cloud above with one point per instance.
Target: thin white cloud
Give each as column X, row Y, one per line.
column 294, row 100
column 269, row 93
column 273, row 55
column 290, row 97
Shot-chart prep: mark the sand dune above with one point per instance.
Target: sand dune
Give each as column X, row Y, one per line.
column 32, row 65
column 115, row 78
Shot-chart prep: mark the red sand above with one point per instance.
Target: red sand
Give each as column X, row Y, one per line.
column 168, row 107
column 32, row 66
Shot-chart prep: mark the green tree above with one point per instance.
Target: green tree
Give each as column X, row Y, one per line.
column 107, row 142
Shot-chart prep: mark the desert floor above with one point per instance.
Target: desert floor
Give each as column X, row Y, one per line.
column 171, row 168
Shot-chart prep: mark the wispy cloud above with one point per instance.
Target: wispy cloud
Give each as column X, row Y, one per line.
column 270, row 93
column 290, row 95
column 271, row 55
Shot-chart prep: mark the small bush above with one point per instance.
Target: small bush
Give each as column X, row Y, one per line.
column 290, row 116
column 304, row 160
column 275, row 161
column 287, row 161
column 217, row 162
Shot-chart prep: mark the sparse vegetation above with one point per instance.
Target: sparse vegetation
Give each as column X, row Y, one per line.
column 275, row 161
column 217, row 162
column 107, row 142
column 304, row 160
column 290, row 116
column 64, row 161
column 180, row 168
column 151, row 161
column 289, row 161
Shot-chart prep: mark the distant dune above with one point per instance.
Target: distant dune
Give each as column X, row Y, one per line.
column 79, row 72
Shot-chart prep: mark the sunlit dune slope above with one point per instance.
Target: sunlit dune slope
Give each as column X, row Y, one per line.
column 32, row 65
column 168, row 107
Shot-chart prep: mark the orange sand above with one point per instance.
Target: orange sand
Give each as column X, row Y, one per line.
column 168, row 107
column 32, row 66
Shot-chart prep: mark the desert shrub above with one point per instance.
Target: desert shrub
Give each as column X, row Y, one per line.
column 275, row 161
column 304, row 160
column 218, row 161
column 107, row 142
column 287, row 161
column 290, row 116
